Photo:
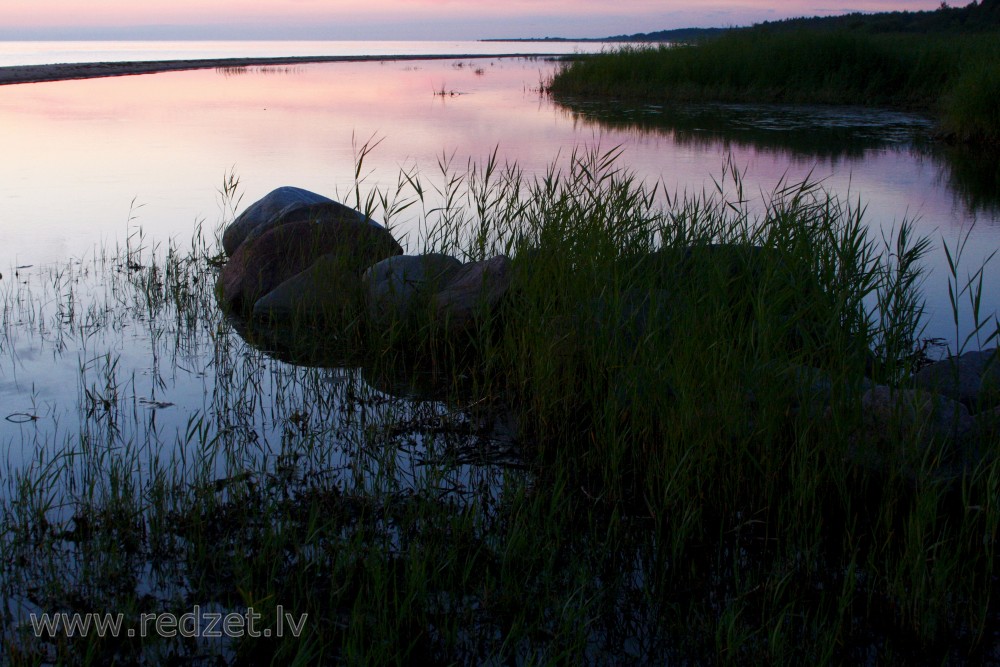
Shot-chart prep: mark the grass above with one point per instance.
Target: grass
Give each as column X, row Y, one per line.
column 953, row 76
column 631, row 467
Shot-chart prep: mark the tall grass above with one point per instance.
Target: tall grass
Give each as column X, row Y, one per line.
column 954, row 76
column 646, row 454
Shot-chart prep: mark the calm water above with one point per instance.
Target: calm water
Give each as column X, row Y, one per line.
column 40, row 53
column 86, row 164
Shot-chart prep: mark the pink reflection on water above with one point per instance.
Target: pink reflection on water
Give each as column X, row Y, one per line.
column 77, row 153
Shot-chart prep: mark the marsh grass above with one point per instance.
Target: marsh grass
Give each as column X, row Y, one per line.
column 953, row 76
column 629, row 461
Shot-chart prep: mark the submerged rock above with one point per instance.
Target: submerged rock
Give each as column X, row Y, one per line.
column 289, row 342
column 260, row 265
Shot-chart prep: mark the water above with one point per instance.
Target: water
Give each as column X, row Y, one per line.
column 42, row 53
column 91, row 165
column 112, row 371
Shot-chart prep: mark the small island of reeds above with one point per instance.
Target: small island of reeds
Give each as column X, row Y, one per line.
column 953, row 75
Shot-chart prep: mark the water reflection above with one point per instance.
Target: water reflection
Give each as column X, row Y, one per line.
column 245, row 70
column 837, row 135
column 399, row 373
column 973, row 173
column 79, row 152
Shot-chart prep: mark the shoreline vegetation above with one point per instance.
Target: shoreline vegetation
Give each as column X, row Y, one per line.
column 67, row 71
column 698, row 485
column 956, row 78
column 927, row 61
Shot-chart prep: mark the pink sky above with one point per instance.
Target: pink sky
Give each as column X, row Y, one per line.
column 398, row 19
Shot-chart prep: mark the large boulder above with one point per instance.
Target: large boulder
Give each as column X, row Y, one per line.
column 325, row 292
column 398, row 287
column 262, row 213
column 283, row 205
column 473, row 294
column 260, row 265
column 972, row 378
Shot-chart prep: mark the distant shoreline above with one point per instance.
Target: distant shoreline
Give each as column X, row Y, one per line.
column 67, row 71
column 557, row 40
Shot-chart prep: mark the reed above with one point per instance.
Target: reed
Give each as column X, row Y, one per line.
column 951, row 75
column 629, row 469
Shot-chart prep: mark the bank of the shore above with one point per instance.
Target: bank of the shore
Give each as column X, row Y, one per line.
column 956, row 77
column 66, row 71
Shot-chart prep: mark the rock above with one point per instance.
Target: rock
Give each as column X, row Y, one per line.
column 813, row 389
column 260, row 265
column 972, row 378
column 629, row 318
column 326, row 291
column 915, row 420
column 473, row 293
column 284, row 205
column 325, row 213
column 988, row 431
column 264, row 211
column 663, row 268
column 397, row 287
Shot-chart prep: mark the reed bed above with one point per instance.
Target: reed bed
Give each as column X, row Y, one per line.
column 618, row 466
column 954, row 76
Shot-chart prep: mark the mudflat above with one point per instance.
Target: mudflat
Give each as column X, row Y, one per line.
column 63, row 71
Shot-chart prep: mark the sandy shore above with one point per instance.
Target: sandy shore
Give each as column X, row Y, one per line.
column 63, row 71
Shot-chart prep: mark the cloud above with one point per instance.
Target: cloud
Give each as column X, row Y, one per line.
column 397, row 19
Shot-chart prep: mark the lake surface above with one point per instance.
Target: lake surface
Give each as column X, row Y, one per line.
column 42, row 53
column 91, row 165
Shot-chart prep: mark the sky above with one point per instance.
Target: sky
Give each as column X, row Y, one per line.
column 399, row 19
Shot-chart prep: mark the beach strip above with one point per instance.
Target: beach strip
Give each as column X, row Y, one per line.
column 64, row 71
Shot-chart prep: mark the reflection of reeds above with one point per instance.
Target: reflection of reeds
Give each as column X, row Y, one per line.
column 445, row 92
column 623, row 473
column 971, row 172
column 244, row 70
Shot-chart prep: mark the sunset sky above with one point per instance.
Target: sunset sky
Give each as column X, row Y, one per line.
column 397, row 19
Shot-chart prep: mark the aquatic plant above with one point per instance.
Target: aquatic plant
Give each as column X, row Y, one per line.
column 950, row 75
column 631, row 461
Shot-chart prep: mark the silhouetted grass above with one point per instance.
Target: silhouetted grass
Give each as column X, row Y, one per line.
column 636, row 466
